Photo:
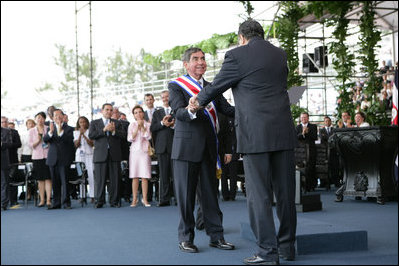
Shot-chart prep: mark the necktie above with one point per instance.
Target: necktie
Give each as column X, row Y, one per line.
column 58, row 130
column 328, row 130
column 106, row 123
column 167, row 110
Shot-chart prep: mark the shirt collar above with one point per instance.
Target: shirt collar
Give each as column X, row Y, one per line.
column 200, row 81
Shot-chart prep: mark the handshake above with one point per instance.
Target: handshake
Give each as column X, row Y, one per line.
column 193, row 105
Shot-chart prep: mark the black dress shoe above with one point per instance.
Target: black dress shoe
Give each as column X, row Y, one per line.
column 98, row 205
column 3, row 208
column 256, row 260
column 67, row 207
column 188, row 247
column 51, row 207
column 163, row 204
column 221, row 244
column 117, row 205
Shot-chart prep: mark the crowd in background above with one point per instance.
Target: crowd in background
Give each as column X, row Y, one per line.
column 52, row 146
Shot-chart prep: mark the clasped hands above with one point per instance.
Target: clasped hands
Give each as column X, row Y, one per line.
column 193, row 105
column 166, row 122
column 110, row 127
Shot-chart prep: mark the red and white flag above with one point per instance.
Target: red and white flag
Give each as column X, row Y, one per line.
column 395, row 100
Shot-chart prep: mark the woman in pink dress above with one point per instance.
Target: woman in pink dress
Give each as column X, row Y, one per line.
column 139, row 135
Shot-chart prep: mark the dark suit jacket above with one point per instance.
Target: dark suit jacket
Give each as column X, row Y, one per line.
column 6, row 143
column 324, row 135
column 60, row 148
column 125, row 145
column 13, row 149
column 225, row 136
column 309, row 137
column 101, row 141
column 257, row 74
column 193, row 136
column 162, row 135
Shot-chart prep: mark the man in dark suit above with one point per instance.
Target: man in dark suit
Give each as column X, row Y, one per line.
column 333, row 161
column 256, row 71
column 307, row 133
column 60, row 139
column 194, row 153
column 227, row 148
column 13, row 159
column 126, row 182
column 162, row 131
column 6, row 143
column 326, row 131
column 107, row 134
column 148, row 115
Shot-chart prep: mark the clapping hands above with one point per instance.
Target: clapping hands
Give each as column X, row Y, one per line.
column 110, row 127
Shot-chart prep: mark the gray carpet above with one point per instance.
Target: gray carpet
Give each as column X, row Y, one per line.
column 130, row 236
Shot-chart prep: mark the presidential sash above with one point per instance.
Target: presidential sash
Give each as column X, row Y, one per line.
column 192, row 87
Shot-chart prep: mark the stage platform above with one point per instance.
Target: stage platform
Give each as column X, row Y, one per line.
column 148, row 236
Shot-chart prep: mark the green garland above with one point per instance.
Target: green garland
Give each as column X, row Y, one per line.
column 287, row 32
column 368, row 41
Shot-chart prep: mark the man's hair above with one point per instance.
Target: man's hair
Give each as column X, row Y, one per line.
column 148, row 95
column 105, row 105
column 305, row 113
column 187, row 54
column 164, row 91
column 58, row 110
column 251, row 28
column 327, row 117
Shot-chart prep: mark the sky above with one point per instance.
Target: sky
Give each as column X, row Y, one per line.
column 30, row 30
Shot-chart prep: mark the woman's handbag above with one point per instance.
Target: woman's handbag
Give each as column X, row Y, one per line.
column 151, row 150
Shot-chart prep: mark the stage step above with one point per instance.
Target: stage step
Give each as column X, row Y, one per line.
column 319, row 237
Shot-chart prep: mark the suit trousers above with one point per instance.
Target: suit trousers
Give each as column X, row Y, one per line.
column 229, row 172
column 266, row 173
column 103, row 171
column 4, row 187
column 186, row 178
column 59, row 181
column 165, row 177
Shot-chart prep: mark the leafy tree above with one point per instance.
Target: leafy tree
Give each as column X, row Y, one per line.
column 249, row 9
column 66, row 59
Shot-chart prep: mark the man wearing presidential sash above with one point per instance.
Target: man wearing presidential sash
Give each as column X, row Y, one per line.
column 194, row 153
